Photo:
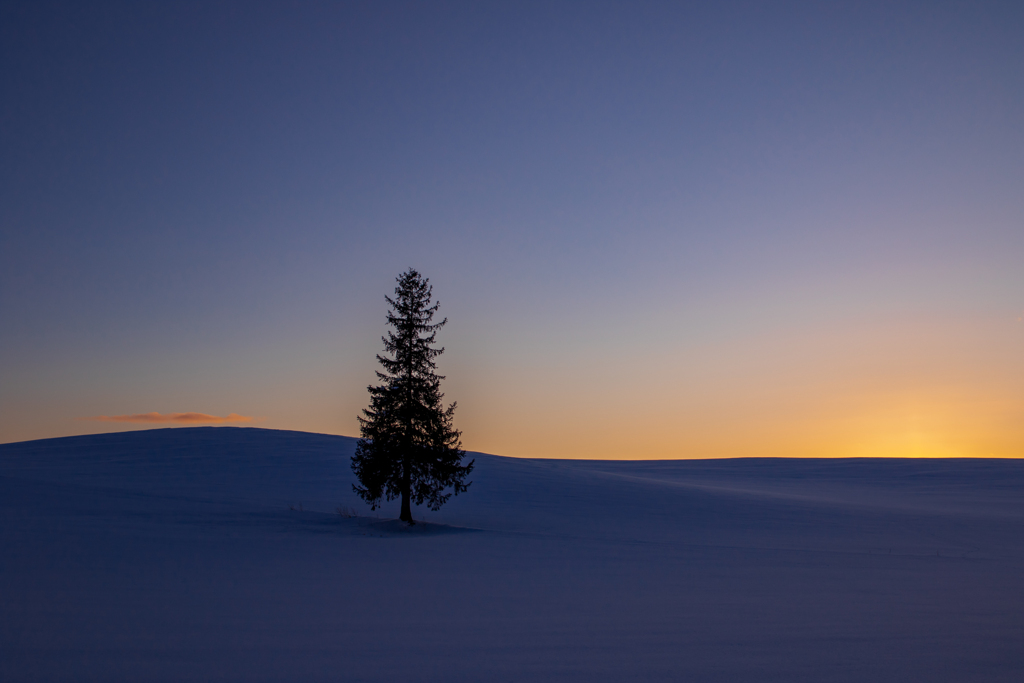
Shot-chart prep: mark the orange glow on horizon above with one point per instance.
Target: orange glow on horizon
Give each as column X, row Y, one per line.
column 176, row 418
column 911, row 389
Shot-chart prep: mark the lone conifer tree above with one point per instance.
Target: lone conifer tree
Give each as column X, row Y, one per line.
column 409, row 447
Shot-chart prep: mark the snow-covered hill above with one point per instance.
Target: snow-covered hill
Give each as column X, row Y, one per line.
column 218, row 554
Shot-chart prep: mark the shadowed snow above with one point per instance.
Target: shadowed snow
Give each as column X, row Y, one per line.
column 220, row 553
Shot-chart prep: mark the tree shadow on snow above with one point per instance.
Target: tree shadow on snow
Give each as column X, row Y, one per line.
column 371, row 526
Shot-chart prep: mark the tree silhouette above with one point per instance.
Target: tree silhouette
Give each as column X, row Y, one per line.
column 409, row 447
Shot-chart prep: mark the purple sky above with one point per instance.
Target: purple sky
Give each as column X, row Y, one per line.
column 657, row 230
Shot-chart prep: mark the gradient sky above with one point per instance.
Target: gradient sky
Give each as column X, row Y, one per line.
column 658, row 230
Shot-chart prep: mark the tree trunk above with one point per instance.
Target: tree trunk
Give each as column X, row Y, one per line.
column 406, row 515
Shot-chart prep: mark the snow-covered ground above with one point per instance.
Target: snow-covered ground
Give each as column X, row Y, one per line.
column 217, row 554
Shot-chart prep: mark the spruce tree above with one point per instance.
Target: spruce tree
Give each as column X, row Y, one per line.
column 409, row 446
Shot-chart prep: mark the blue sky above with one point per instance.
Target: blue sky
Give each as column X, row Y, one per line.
column 658, row 229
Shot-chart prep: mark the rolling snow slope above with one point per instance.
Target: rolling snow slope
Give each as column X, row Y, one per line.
column 217, row 554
